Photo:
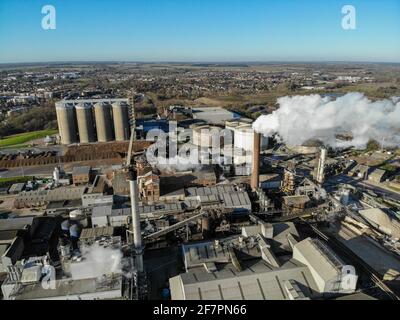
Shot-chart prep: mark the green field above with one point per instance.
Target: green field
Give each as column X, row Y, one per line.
column 20, row 139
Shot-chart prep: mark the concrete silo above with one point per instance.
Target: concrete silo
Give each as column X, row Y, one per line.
column 84, row 115
column 121, row 121
column 102, row 112
column 66, row 123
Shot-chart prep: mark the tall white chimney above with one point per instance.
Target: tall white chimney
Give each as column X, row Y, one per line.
column 136, row 231
column 255, row 177
column 320, row 177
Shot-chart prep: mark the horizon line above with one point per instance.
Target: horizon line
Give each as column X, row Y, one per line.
column 200, row 62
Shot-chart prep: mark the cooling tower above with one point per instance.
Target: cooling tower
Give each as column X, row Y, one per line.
column 84, row 115
column 121, row 121
column 102, row 112
column 66, row 123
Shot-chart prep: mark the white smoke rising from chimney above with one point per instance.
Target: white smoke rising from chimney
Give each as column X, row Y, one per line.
column 303, row 118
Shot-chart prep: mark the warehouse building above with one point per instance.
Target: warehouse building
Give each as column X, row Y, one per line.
column 40, row 198
column 103, row 216
column 225, row 196
column 213, row 115
column 246, row 268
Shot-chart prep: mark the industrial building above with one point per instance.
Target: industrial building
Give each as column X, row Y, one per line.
column 40, row 198
column 81, row 175
column 213, row 115
column 95, row 120
column 80, row 277
column 248, row 268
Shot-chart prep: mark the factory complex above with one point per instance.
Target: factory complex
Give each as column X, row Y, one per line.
column 254, row 219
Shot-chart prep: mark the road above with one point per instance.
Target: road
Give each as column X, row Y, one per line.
column 45, row 170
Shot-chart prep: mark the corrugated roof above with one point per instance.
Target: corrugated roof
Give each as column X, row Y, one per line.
column 256, row 282
column 319, row 257
column 97, row 232
column 205, row 191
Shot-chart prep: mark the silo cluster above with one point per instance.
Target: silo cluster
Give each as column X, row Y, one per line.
column 97, row 120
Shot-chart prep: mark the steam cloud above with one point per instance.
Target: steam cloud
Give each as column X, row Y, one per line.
column 100, row 260
column 303, row 118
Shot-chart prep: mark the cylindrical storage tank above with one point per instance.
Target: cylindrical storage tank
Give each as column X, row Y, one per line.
column 66, row 123
column 231, row 125
column 65, row 225
column 75, row 231
column 84, row 115
column 244, row 138
column 77, row 216
column 206, row 136
column 121, row 121
column 65, row 248
column 102, row 112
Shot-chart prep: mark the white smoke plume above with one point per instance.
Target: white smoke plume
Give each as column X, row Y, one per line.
column 99, row 261
column 303, row 118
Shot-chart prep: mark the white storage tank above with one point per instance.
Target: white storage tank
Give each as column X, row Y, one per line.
column 244, row 138
column 79, row 217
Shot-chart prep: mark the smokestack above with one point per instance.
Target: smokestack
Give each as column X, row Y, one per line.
column 137, row 236
column 320, row 176
column 256, row 162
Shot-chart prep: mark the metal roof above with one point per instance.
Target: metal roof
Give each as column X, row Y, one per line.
column 145, row 210
column 296, row 200
column 235, row 199
column 15, row 223
column 205, row 191
column 319, row 257
column 97, row 232
column 257, row 281
column 65, row 289
column 81, row 170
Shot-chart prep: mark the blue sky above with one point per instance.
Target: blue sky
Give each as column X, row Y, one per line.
column 199, row 30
